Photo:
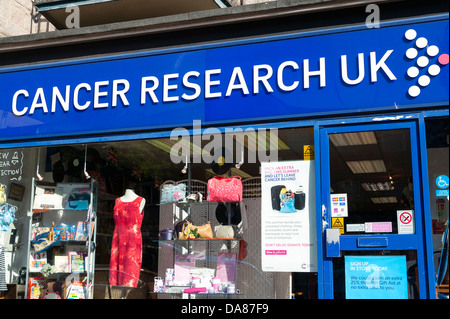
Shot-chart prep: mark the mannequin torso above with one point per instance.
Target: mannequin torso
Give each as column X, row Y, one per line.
column 130, row 196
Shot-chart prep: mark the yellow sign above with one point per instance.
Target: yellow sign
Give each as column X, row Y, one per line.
column 338, row 222
column 308, row 152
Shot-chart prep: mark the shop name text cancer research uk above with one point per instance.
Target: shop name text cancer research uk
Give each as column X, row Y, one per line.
column 190, row 85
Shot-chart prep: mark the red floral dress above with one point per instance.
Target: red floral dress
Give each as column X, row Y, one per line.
column 126, row 250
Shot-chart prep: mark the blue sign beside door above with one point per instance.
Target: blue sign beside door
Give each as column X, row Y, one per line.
column 376, row 277
column 442, row 181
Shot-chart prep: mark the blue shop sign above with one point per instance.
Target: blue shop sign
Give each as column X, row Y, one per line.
column 376, row 277
column 401, row 65
column 442, row 192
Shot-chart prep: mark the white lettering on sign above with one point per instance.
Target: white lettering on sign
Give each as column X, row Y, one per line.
column 307, row 73
column 81, row 97
column 11, row 165
column 263, row 79
column 241, row 85
column 280, row 76
column 375, row 66
column 288, row 76
column 344, row 69
column 170, row 87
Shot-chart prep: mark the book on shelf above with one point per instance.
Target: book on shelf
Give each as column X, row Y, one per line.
column 62, row 263
column 35, row 287
column 83, row 230
column 77, row 261
column 37, row 261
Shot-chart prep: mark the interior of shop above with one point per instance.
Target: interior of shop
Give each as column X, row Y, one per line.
column 147, row 165
column 373, row 168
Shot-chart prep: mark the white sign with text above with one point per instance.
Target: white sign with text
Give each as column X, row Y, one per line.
column 288, row 227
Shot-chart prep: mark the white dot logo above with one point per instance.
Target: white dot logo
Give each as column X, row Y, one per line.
column 425, row 63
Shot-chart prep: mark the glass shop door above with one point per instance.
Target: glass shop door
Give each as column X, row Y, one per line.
column 372, row 212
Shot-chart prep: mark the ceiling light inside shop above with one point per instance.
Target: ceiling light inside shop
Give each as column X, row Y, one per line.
column 366, row 167
column 166, row 145
column 384, row 200
column 233, row 171
column 354, row 138
column 376, row 187
column 273, row 142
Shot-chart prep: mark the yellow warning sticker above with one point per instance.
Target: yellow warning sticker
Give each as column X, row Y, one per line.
column 338, row 222
column 308, row 152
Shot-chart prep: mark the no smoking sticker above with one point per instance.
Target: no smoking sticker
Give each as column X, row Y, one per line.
column 405, row 221
column 405, row 218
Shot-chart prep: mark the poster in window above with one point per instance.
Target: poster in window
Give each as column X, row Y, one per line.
column 288, row 227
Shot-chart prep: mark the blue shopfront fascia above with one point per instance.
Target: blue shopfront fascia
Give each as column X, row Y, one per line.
column 332, row 71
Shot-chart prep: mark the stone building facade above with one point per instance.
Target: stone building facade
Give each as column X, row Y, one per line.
column 21, row 17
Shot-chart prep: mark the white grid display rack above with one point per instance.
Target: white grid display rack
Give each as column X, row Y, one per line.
column 252, row 282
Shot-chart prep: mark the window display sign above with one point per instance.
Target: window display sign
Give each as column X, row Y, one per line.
column 378, row 227
column 405, row 222
column 11, row 165
column 288, row 227
column 339, row 206
column 376, row 277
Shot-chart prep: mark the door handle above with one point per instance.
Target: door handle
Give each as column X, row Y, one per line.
column 372, row 242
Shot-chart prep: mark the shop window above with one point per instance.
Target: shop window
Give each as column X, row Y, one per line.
column 371, row 181
column 17, row 166
column 146, row 165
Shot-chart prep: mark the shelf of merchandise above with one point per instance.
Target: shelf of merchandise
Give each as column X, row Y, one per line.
column 208, row 295
column 69, row 215
column 210, row 246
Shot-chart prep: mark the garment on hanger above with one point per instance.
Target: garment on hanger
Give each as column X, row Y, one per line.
column 7, row 216
column 126, row 250
column 2, row 194
column 3, row 286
